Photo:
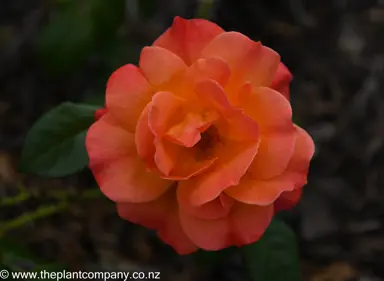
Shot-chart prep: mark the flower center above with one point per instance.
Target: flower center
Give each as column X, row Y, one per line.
column 209, row 139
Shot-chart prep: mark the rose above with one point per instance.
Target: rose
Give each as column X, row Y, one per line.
column 198, row 141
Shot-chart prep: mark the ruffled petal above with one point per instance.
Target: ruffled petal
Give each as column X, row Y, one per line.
column 120, row 174
column 160, row 215
column 177, row 162
column 248, row 60
column 245, row 225
column 159, row 65
column 144, row 138
column 303, row 152
column 281, row 81
column 186, row 38
column 165, row 111
column 188, row 132
column 128, row 92
column 100, row 113
column 288, row 199
column 232, row 162
column 273, row 113
column 259, row 192
column 215, row 209
column 249, row 222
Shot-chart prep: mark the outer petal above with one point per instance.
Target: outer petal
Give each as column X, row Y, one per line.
column 259, row 192
column 119, row 172
column 282, row 80
column 159, row 65
column 100, row 113
column 246, row 224
column 247, row 59
column 161, row 215
column 215, row 209
column 128, row 92
column 288, row 199
column 303, row 153
column 186, row 38
column 274, row 116
column 286, row 187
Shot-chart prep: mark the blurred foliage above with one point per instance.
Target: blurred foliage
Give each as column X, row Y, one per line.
column 55, row 146
column 15, row 257
column 76, row 30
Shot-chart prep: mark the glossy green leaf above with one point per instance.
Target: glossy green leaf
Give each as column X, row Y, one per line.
column 275, row 256
column 55, row 146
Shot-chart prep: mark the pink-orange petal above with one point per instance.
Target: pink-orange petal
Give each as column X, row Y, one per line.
column 144, row 138
column 186, row 38
column 127, row 94
column 245, row 225
column 282, row 79
column 249, row 222
column 259, row 192
column 212, row 94
column 288, row 199
column 215, row 209
column 232, row 163
column 248, row 60
column 187, row 132
column 100, row 113
column 210, row 68
column 273, row 113
column 165, row 111
column 159, row 65
column 303, row 152
column 177, row 162
column 160, row 215
column 120, row 174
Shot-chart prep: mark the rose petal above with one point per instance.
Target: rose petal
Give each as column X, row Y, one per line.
column 232, row 163
column 187, row 132
column 281, row 80
column 165, row 111
column 100, row 113
column 259, row 192
column 186, row 38
column 161, row 215
column 246, row 224
column 288, row 199
column 302, row 155
column 248, row 60
column 119, row 172
column 274, row 115
column 159, row 65
column 128, row 92
column 177, row 162
column 144, row 138
column 215, row 209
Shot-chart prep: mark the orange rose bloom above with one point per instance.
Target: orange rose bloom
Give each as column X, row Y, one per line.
column 198, row 141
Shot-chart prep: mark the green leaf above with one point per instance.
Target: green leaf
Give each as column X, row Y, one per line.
column 275, row 256
column 55, row 146
column 64, row 43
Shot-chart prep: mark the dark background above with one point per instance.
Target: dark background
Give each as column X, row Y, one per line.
column 57, row 50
